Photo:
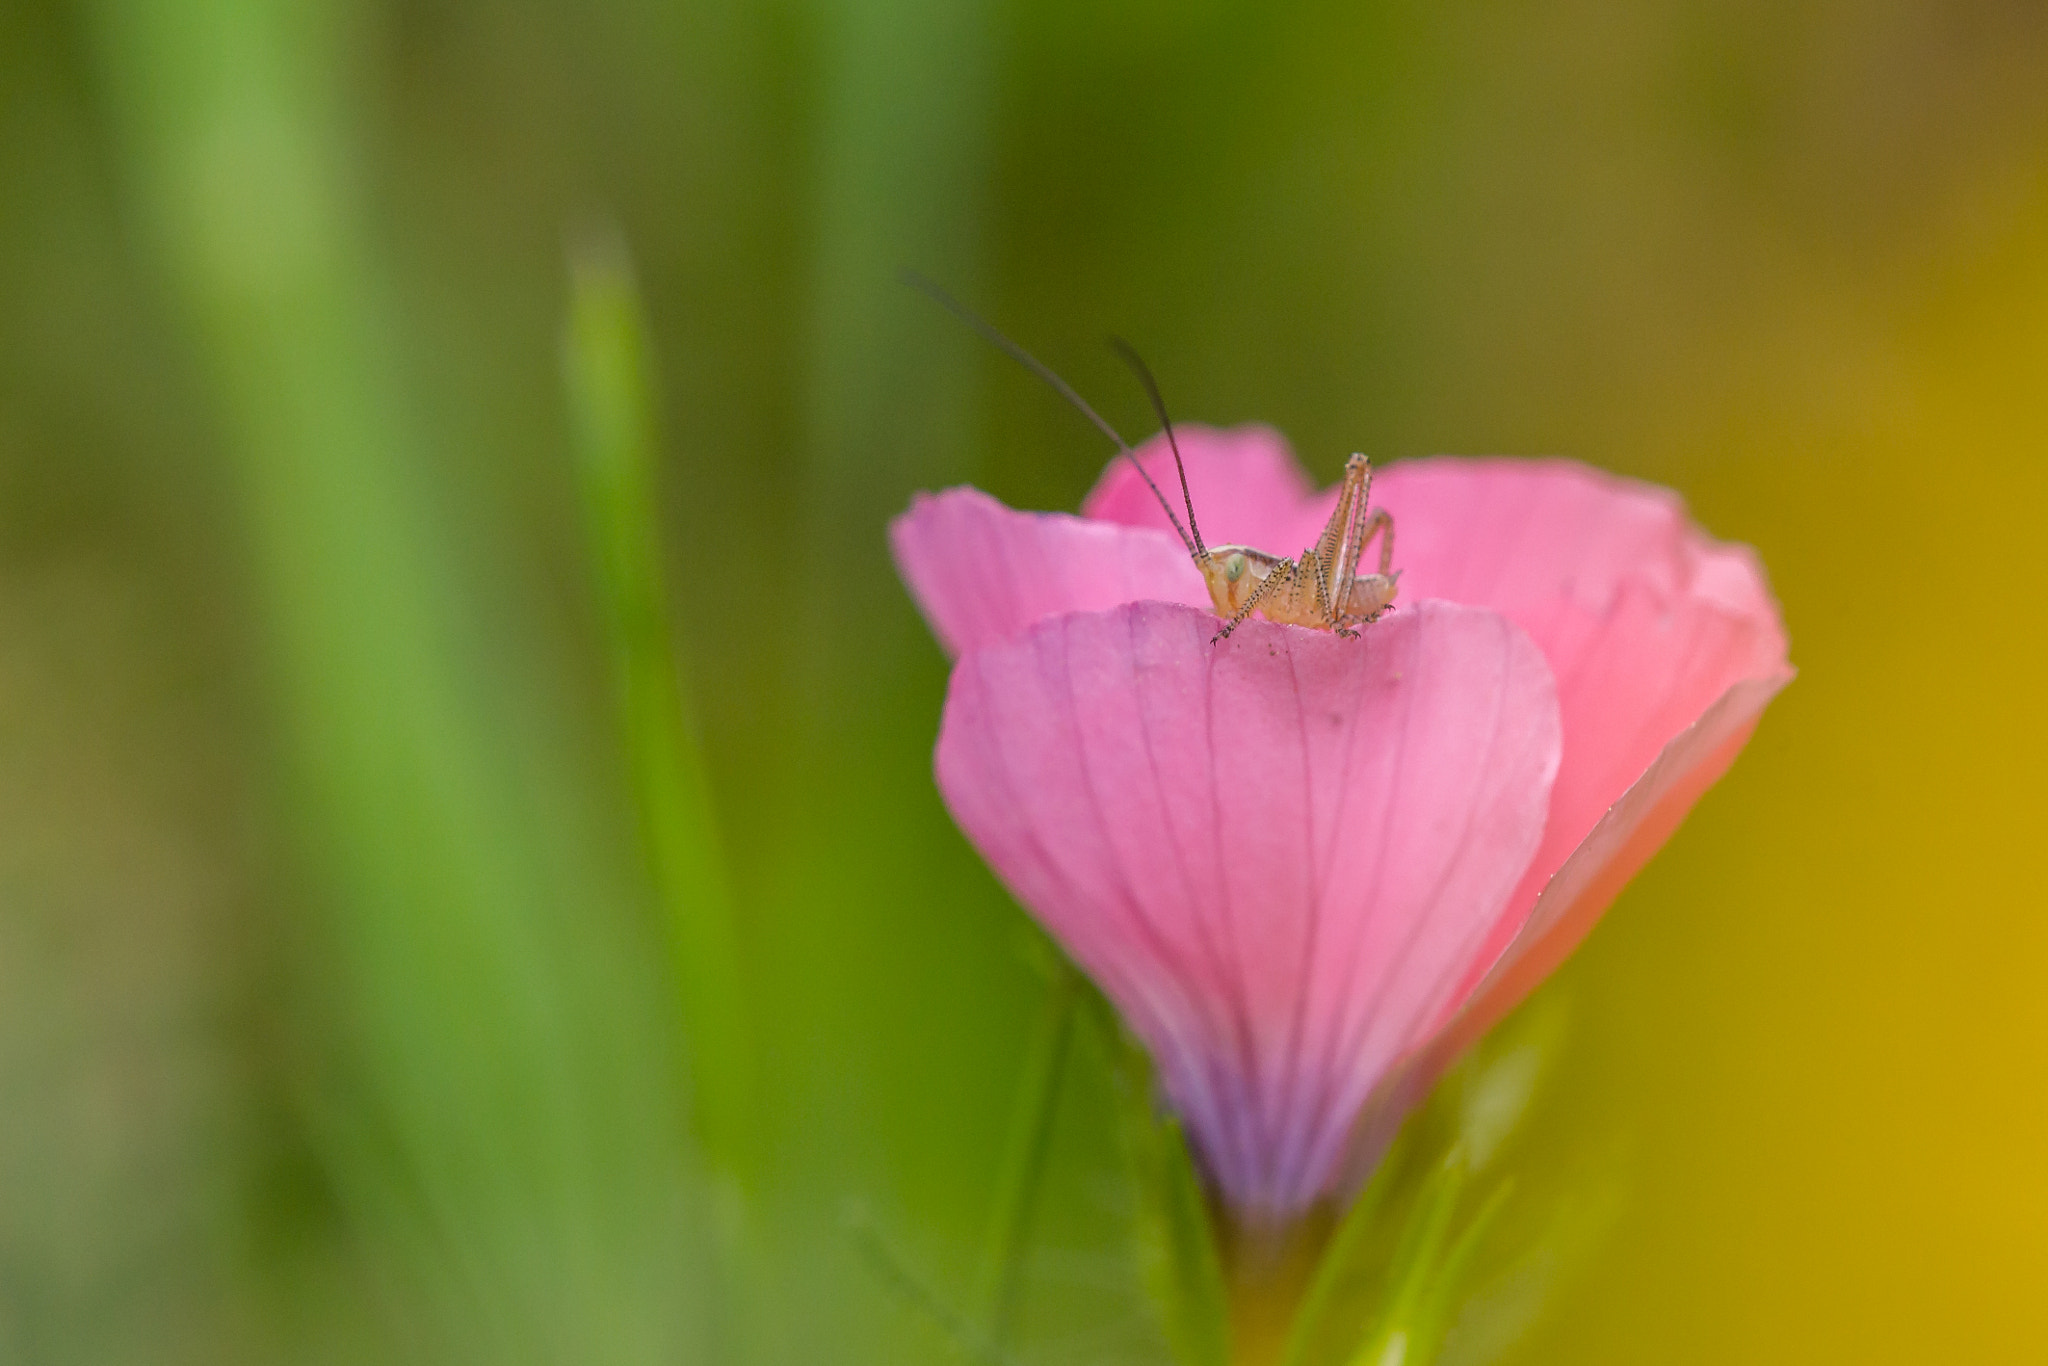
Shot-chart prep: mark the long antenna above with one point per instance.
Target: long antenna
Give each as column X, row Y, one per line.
column 1137, row 363
column 1064, row 390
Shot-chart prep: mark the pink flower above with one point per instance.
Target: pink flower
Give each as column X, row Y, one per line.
column 1310, row 870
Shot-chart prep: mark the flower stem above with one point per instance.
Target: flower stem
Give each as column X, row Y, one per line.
column 1271, row 1276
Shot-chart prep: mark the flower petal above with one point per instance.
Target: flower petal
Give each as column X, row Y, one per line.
column 1646, row 621
column 1626, row 836
column 1247, row 487
column 1516, row 532
column 1572, row 903
column 981, row 571
column 1666, row 645
column 1278, row 855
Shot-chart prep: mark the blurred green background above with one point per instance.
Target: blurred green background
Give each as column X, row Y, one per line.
column 339, row 1017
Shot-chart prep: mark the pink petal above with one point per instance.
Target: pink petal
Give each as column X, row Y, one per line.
column 1645, row 620
column 1246, row 485
column 982, row 572
column 1278, row 855
column 1573, row 902
column 1625, row 837
column 1524, row 532
column 1666, row 645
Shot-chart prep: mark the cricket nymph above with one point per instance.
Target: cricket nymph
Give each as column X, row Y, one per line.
column 1235, row 573
column 1322, row 590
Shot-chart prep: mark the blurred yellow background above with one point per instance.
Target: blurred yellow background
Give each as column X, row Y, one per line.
column 281, row 431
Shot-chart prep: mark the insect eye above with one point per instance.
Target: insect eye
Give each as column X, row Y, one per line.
column 1234, row 568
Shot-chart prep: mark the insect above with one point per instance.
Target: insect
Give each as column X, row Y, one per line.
column 1322, row 589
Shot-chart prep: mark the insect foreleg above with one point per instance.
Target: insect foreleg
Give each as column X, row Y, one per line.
column 1283, row 570
column 1326, row 600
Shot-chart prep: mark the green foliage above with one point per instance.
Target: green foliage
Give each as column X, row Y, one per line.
column 609, row 378
column 1405, row 1260
column 488, row 1102
column 1176, row 1237
column 1026, row 1152
column 971, row 1340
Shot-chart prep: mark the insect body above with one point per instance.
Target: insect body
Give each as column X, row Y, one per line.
column 1322, row 589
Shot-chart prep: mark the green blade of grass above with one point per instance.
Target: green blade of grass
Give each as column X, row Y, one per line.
column 488, row 1107
column 968, row 1340
column 1024, row 1157
column 1177, row 1248
column 1430, row 1313
column 1417, row 1256
column 609, row 382
column 1345, row 1248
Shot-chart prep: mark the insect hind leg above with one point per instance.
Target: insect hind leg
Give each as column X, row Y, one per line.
column 1333, row 611
column 1381, row 524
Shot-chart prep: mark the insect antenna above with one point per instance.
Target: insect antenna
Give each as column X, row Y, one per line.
column 1065, row 391
column 1136, row 362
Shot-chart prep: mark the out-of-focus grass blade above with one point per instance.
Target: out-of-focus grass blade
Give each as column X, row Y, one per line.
column 1340, row 1259
column 1417, row 1261
column 1495, row 1086
column 1494, row 1314
column 1387, row 1276
column 495, row 1114
column 968, row 1339
column 609, row 380
column 1024, row 1156
column 1444, row 1287
column 1185, row 1270
column 1177, row 1250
